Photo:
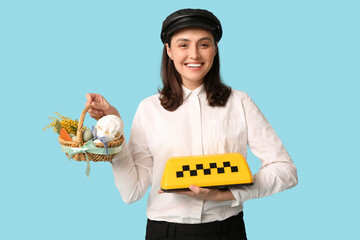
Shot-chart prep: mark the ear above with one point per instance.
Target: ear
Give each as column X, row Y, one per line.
column 216, row 48
column 168, row 51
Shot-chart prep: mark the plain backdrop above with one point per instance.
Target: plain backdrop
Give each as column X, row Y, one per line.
column 298, row 60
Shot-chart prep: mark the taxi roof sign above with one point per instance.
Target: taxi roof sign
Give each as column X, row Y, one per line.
column 215, row 170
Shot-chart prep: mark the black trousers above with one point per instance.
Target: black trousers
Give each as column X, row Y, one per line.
column 232, row 228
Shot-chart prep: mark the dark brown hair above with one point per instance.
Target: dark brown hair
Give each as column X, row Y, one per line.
column 171, row 96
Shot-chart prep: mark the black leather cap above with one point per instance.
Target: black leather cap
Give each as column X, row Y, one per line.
column 191, row 18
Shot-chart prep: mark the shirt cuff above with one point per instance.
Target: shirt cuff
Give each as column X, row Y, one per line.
column 123, row 152
column 236, row 193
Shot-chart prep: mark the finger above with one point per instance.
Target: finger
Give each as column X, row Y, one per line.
column 96, row 117
column 96, row 114
column 89, row 98
column 195, row 189
column 160, row 191
column 100, row 106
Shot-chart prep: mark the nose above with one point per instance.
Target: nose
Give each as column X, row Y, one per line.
column 194, row 52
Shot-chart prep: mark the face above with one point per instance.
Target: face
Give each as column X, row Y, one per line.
column 192, row 51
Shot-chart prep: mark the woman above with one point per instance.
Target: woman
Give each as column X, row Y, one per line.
column 195, row 114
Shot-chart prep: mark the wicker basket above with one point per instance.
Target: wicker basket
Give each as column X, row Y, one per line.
column 79, row 143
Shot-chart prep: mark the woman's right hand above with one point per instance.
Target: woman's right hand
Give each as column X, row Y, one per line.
column 101, row 107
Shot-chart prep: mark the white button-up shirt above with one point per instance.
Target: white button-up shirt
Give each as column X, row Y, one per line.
column 196, row 128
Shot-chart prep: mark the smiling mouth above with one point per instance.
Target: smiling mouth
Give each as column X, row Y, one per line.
column 194, row 65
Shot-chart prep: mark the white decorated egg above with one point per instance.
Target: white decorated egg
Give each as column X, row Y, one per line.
column 109, row 126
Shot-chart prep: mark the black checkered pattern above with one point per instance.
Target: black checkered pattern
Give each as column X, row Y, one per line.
column 207, row 171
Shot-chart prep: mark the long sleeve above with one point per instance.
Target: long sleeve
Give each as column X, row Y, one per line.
column 277, row 171
column 197, row 128
column 132, row 167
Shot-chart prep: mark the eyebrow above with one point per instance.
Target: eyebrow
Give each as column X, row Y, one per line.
column 187, row 40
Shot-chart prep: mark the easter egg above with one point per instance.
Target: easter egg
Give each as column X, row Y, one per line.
column 110, row 127
column 87, row 135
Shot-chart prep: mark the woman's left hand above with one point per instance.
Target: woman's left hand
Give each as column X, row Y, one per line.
column 206, row 193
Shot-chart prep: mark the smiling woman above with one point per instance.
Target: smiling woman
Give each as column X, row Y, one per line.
column 179, row 121
column 193, row 51
column 190, row 40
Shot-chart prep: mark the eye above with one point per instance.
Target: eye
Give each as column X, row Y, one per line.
column 204, row 44
column 183, row 45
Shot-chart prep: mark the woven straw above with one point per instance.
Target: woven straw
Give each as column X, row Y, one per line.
column 79, row 142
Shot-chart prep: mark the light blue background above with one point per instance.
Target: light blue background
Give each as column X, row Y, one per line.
column 298, row 60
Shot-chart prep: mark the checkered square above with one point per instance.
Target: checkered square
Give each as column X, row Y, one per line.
column 206, row 171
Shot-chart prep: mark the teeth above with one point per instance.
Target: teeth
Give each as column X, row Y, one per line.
column 193, row 65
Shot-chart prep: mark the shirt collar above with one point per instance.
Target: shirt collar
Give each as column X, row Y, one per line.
column 200, row 91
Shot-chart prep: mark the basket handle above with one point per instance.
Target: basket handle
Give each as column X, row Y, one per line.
column 79, row 137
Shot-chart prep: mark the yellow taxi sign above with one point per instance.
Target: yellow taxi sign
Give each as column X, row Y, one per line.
column 216, row 170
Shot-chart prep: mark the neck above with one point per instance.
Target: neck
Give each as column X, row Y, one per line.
column 192, row 85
